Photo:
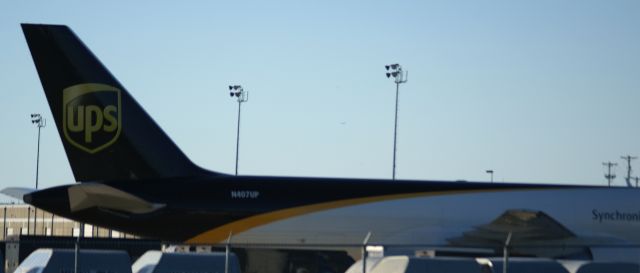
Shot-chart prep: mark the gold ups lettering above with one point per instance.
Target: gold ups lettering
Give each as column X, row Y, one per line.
column 91, row 116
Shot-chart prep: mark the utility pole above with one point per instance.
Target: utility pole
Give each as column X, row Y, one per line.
column 609, row 176
column 399, row 76
column 242, row 96
column 628, row 158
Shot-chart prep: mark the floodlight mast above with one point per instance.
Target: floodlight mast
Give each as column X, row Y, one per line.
column 399, row 77
column 242, row 96
column 40, row 122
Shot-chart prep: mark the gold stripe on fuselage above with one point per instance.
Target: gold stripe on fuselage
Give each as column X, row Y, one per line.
column 221, row 233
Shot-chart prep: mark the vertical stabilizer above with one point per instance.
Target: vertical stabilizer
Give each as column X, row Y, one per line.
column 106, row 133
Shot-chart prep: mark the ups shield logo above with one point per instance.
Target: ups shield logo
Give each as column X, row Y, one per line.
column 91, row 117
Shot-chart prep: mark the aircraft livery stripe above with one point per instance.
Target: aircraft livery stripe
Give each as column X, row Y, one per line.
column 221, row 233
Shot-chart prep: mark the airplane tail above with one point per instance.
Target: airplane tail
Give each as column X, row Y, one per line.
column 106, row 133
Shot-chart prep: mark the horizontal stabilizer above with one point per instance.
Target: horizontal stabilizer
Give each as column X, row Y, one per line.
column 17, row 192
column 93, row 195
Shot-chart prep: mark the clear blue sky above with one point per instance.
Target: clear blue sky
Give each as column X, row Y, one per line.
column 539, row 91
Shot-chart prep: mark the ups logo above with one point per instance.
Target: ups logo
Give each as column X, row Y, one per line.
column 91, row 118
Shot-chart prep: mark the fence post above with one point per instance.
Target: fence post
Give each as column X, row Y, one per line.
column 364, row 252
column 226, row 253
column 505, row 252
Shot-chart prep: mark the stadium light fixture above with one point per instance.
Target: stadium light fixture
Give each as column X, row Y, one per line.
column 399, row 77
column 242, row 96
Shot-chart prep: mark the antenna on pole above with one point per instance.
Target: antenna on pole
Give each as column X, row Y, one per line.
column 609, row 176
column 628, row 158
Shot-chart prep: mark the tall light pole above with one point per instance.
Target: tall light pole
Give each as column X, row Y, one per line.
column 242, row 96
column 399, row 77
column 40, row 122
column 490, row 172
